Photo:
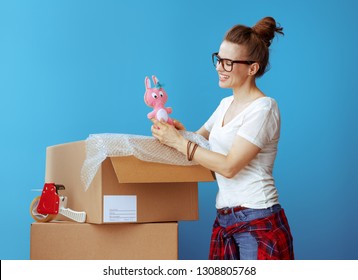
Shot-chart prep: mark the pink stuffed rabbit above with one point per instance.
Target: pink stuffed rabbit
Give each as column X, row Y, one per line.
column 156, row 97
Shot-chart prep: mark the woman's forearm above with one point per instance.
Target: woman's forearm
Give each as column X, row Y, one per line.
column 211, row 160
column 241, row 153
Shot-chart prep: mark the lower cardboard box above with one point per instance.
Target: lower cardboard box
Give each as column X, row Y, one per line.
column 62, row 240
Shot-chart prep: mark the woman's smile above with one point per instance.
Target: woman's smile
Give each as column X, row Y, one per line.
column 223, row 77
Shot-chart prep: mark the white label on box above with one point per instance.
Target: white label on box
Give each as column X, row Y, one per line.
column 119, row 208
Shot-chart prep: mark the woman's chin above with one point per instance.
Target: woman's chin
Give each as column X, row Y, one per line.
column 223, row 84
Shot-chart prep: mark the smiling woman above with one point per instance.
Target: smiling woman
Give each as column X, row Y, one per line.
column 243, row 134
column 74, row 68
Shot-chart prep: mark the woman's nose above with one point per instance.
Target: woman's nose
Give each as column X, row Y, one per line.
column 219, row 66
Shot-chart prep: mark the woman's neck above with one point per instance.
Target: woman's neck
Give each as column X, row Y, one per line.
column 247, row 92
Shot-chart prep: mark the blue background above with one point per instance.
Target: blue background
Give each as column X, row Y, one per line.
column 71, row 68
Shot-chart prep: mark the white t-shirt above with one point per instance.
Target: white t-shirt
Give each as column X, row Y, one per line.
column 259, row 123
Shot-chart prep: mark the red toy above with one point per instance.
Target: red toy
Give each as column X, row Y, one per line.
column 46, row 207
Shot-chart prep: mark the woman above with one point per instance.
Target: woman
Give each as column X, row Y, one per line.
column 243, row 133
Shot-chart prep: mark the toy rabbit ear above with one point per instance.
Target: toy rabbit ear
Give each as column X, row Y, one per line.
column 147, row 82
column 155, row 80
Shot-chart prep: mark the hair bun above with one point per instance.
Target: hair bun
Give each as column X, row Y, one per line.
column 266, row 28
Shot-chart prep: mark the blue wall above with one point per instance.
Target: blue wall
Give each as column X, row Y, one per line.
column 72, row 68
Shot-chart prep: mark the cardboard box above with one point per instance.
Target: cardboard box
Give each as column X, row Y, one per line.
column 126, row 189
column 75, row 241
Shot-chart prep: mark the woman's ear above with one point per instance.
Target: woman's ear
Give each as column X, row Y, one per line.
column 254, row 67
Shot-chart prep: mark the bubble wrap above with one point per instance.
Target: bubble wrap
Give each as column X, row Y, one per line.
column 146, row 148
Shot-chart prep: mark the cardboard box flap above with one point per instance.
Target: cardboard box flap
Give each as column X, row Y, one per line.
column 132, row 170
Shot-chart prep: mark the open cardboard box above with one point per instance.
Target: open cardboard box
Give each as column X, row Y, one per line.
column 126, row 189
column 75, row 241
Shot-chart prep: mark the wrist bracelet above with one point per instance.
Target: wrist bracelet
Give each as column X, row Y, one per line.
column 193, row 152
column 188, row 149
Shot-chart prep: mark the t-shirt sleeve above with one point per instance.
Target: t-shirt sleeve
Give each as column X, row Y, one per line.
column 260, row 126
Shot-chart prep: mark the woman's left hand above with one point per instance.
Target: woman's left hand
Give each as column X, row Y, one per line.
column 166, row 134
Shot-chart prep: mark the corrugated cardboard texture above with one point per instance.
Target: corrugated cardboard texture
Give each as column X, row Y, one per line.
column 157, row 172
column 75, row 241
column 162, row 197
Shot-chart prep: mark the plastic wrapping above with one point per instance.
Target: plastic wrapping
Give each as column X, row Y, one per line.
column 146, row 148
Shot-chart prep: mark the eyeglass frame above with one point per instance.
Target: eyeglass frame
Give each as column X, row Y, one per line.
column 216, row 54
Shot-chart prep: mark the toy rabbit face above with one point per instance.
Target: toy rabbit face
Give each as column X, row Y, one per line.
column 155, row 96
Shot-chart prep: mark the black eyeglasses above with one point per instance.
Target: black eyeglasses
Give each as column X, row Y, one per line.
column 227, row 64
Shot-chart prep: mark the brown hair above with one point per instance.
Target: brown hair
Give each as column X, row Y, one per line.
column 256, row 39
